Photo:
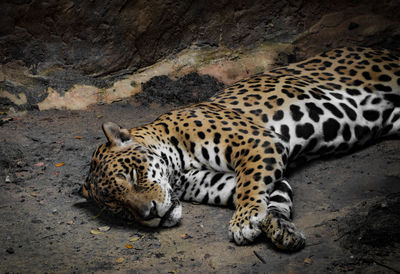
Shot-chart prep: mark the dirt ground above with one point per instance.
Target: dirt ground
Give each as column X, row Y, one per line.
column 348, row 207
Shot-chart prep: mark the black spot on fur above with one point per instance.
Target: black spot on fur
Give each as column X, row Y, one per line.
column 285, row 131
column 371, row 115
column 361, row 132
column 205, row 199
column 267, row 180
column 383, row 87
column 269, row 161
column 337, row 95
column 311, row 145
column 205, row 154
column 304, row 131
column 335, row 111
column 385, row 78
column 295, row 152
column 352, row 72
column 217, row 138
column 393, row 98
column 349, row 111
column 330, row 129
column 314, row 112
column 249, row 171
column 376, row 68
column 366, row 75
column 376, row 101
column 353, row 92
column 278, row 174
column 346, row 132
column 216, row 178
column 221, row 187
column 296, row 113
column 278, row 115
column 257, row 176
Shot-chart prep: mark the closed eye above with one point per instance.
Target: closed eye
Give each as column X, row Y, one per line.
column 121, row 176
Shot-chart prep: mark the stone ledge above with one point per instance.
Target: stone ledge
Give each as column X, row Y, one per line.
column 225, row 65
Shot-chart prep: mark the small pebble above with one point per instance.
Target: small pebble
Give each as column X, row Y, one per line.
column 37, row 221
column 308, row 261
column 10, row 250
column 104, row 228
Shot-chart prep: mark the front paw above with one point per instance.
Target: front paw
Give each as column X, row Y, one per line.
column 245, row 225
column 283, row 233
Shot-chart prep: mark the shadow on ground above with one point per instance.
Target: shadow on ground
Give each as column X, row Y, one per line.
column 348, row 207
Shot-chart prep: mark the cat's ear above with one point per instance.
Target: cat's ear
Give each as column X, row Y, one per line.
column 116, row 135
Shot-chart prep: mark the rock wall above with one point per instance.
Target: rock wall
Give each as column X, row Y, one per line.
column 55, row 46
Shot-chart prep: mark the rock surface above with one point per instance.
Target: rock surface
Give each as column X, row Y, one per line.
column 87, row 48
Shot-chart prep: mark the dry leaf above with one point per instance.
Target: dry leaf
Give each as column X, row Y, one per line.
column 78, row 137
column 134, row 239
column 70, row 222
column 129, row 246
column 98, row 214
column 119, row 260
column 95, row 232
column 104, row 228
column 100, row 116
column 34, row 194
column 56, row 173
column 308, row 261
column 60, row 164
column 185, row 236
column 39, row 164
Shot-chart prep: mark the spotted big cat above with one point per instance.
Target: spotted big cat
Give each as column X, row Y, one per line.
column 234, row 148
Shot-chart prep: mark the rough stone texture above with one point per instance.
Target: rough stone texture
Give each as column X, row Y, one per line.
column 373, row 27
column 225, row 65
column 102, row 37
column 60, row 44
column 191, row 88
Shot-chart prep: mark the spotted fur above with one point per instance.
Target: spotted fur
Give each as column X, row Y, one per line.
column 234, row 148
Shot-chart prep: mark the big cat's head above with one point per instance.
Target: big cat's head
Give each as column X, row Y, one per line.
column 126, row 177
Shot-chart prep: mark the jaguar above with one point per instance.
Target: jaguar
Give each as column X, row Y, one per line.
column 234, row 148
